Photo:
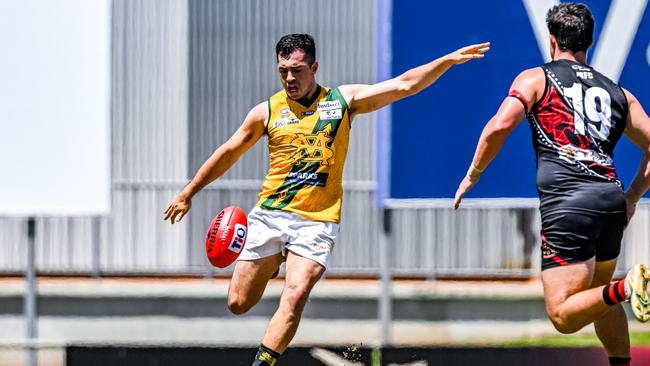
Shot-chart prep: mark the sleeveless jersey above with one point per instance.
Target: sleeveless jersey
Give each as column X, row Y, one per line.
column 575, row 126
column 307, row 149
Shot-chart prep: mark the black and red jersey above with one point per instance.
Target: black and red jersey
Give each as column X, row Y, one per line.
column 576, row 125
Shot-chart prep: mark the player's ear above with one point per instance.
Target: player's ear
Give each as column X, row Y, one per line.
column 314, row 67
column 553, row 42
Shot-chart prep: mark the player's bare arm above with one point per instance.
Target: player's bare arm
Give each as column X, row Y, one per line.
column 637, row 130
column 220, row 161
column 369, row 98
column 526, row 89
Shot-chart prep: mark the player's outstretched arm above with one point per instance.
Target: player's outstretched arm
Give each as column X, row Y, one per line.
column 525, row 90
column 637, row 129
column 221, row 160
column 368, row 98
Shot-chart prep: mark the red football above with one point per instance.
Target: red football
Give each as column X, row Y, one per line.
column 226, row 236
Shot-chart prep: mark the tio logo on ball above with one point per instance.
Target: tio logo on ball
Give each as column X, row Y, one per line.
column 238, row 239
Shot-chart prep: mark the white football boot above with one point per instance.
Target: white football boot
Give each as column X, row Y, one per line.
column 636, row 283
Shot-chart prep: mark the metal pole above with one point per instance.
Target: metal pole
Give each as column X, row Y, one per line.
column 385, row 296
column 96, row 254
column 31, row 293
column 383, row 123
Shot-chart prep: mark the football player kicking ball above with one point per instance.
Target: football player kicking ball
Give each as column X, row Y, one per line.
column 297, row 215
column 577, row 116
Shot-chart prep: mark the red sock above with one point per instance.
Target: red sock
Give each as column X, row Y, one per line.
column 614, row 292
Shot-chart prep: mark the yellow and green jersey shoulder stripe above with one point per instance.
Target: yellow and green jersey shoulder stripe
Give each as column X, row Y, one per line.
column 307, row 148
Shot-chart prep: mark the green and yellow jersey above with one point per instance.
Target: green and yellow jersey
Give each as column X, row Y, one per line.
column 307, row 147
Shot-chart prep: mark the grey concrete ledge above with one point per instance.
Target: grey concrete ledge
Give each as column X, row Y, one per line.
column 328, row 288
column 331, row 299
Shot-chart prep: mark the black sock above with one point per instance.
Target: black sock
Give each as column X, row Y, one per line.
column 265, row 356
column 622, row 361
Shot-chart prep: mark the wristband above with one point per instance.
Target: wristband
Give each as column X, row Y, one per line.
column 473, row 171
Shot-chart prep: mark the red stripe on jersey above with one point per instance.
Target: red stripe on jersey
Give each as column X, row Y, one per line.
column 560, row 261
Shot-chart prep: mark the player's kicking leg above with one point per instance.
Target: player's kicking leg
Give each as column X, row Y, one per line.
column 300, row 277
column 307, row 244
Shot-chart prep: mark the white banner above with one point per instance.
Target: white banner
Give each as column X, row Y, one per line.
column 55, row 107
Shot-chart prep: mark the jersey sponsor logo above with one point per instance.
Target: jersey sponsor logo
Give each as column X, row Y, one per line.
column 332, row 104
column 573, row 153
column 331, row 114
column 285, row 122
column 238, row 239
column 308, row 178
column 304, row 175
column 312, row 148
column 308, row 113
column 285, row 113
column 580, row 68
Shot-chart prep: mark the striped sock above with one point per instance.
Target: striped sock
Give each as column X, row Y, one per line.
column 614, row 292
column 620, row 361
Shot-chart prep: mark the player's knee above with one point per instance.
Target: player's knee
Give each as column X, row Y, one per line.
column 238, row 305
column 295, row 295
column 562, row 324
column 565, row 328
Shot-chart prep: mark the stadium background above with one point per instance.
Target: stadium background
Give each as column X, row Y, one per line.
column 184, row 73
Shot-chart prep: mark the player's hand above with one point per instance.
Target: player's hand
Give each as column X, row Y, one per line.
column 469, row 53
column 177, row 209
column 464, row 187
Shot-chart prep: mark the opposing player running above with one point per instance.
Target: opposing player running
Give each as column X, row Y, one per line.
column 577, row 116
column 297, row 216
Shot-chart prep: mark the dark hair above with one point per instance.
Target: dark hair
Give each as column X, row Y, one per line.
column 572, row 25
column 291, row 42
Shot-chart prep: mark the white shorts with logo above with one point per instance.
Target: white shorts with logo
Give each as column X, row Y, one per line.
column 275, row 231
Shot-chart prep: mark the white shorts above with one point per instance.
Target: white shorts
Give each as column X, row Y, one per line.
column 275, row 231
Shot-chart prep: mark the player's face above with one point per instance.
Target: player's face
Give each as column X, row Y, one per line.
column 297, row 76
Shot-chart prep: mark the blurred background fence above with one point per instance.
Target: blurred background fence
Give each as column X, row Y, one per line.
column 184, row 74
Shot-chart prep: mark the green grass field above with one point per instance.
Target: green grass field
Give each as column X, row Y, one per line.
column 637, row 339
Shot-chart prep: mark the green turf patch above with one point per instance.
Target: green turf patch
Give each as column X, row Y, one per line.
column 586, row 340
